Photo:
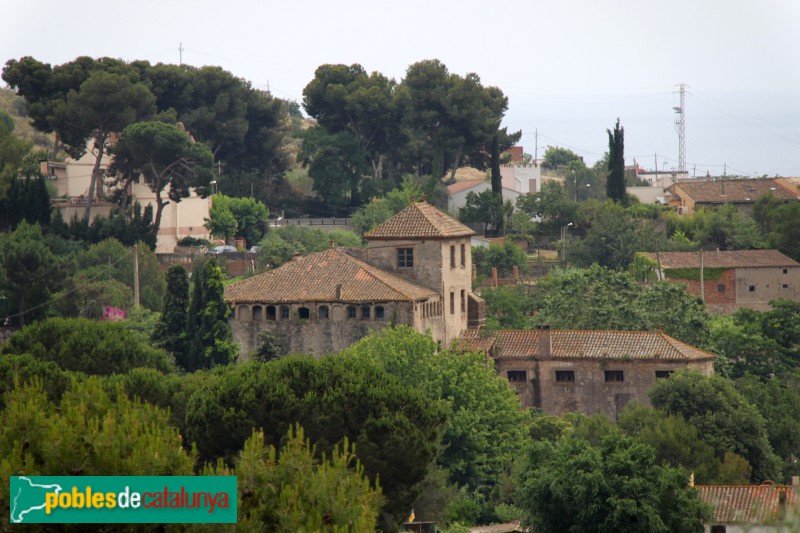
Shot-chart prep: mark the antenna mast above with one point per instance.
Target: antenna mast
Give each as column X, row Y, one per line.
column 680, row 127
column 180, row 54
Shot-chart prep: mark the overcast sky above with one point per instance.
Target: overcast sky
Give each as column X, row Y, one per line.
column 569, row 67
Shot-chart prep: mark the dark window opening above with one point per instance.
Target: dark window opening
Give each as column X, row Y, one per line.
column 270, row 312
column 721, row 287
column 785, row 270
column 379, row 312
column 405, row 257
column 785, row 285
column 365, row 312
column 452, row 303
column 304, row 312
column 752, row 288
column 661, row 374
column 452, row 256
column 463, row 255
column 463, row 301
column 258, row 313
column 719, row 529
column 284, row 312
column 517, row 376
column 614, row 376
column 351, row 311
column 565, row 376
column 324, row 313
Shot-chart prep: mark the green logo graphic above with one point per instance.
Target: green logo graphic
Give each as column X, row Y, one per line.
column 122, row 499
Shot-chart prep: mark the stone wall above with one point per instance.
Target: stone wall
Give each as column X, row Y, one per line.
column 313, row 335
column 589, row 393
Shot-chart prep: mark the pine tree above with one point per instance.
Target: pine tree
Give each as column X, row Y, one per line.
column 615, row 186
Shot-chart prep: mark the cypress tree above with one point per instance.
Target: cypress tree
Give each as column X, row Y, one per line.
column 615, row 186
column 215, row 332
column 170, row 331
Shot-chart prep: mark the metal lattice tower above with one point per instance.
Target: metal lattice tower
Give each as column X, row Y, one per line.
column 680, row 127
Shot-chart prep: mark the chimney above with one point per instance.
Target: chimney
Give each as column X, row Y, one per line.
column 339, row 291
column 332, row 243
column 424, row 198
column 494, row 277
column 296, row 256
column 545, row 345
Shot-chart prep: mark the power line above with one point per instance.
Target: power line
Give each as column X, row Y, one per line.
column 57, row 298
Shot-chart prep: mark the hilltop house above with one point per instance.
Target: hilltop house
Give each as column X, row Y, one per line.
column 458, row 191
column 688, row 196
column 415, row 270
column 71, row 179
column 562, row 371
column 732, row 279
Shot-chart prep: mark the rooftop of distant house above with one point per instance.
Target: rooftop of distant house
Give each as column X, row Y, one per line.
column 331, row 275
column 750, row 504
column 420, row 220
column 723, row 259
column 581, row 344
column 724, row 191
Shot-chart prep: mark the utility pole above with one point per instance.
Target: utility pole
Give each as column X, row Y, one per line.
column 680, row 127
column 536, row 147
column 135, row 276
column 180, row 54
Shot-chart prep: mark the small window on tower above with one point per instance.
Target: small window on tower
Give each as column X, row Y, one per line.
column 405, row 258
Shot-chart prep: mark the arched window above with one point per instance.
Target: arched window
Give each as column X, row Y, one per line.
column 324, row 312
column 303, row 312
column 271, row 312
column 351, row 311
column 258, row 313
column 244, row 313
column 284, row 312
column 379, row 313
column 364, row 312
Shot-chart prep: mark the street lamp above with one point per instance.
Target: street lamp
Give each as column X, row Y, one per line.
column 576, row 191
column 213, row 186
column 564, row 243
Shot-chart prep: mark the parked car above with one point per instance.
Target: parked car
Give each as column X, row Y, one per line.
column 222, row 249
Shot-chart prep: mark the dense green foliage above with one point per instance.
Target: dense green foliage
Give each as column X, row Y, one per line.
column 617, row 486
column 88, row 346
column 282, row 243
column 598, row 298
column 245, row 218
column 170, row 332
column 29, row 271
column 724, row 418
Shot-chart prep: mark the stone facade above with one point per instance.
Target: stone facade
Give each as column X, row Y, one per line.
column 585, row 371
column 734, row 279
column 590, row 392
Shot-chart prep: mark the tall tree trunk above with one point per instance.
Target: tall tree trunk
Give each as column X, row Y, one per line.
column 99, row 145
column 56, row 146
column 456, row 162
column 22, row 308
column 159, row 209
column 377, row 168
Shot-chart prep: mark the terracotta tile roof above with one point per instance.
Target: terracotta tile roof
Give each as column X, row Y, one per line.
column 420, row 220
column 584, row 344
column 729, row 191
column 463, row 186
column 727, row 259
column 314, row 278
column 755, row 504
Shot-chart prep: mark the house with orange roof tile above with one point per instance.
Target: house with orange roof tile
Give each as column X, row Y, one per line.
column 690, row 195
column 731, row 279
column 415, row 270
column 564, row 371
column 765, row 508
